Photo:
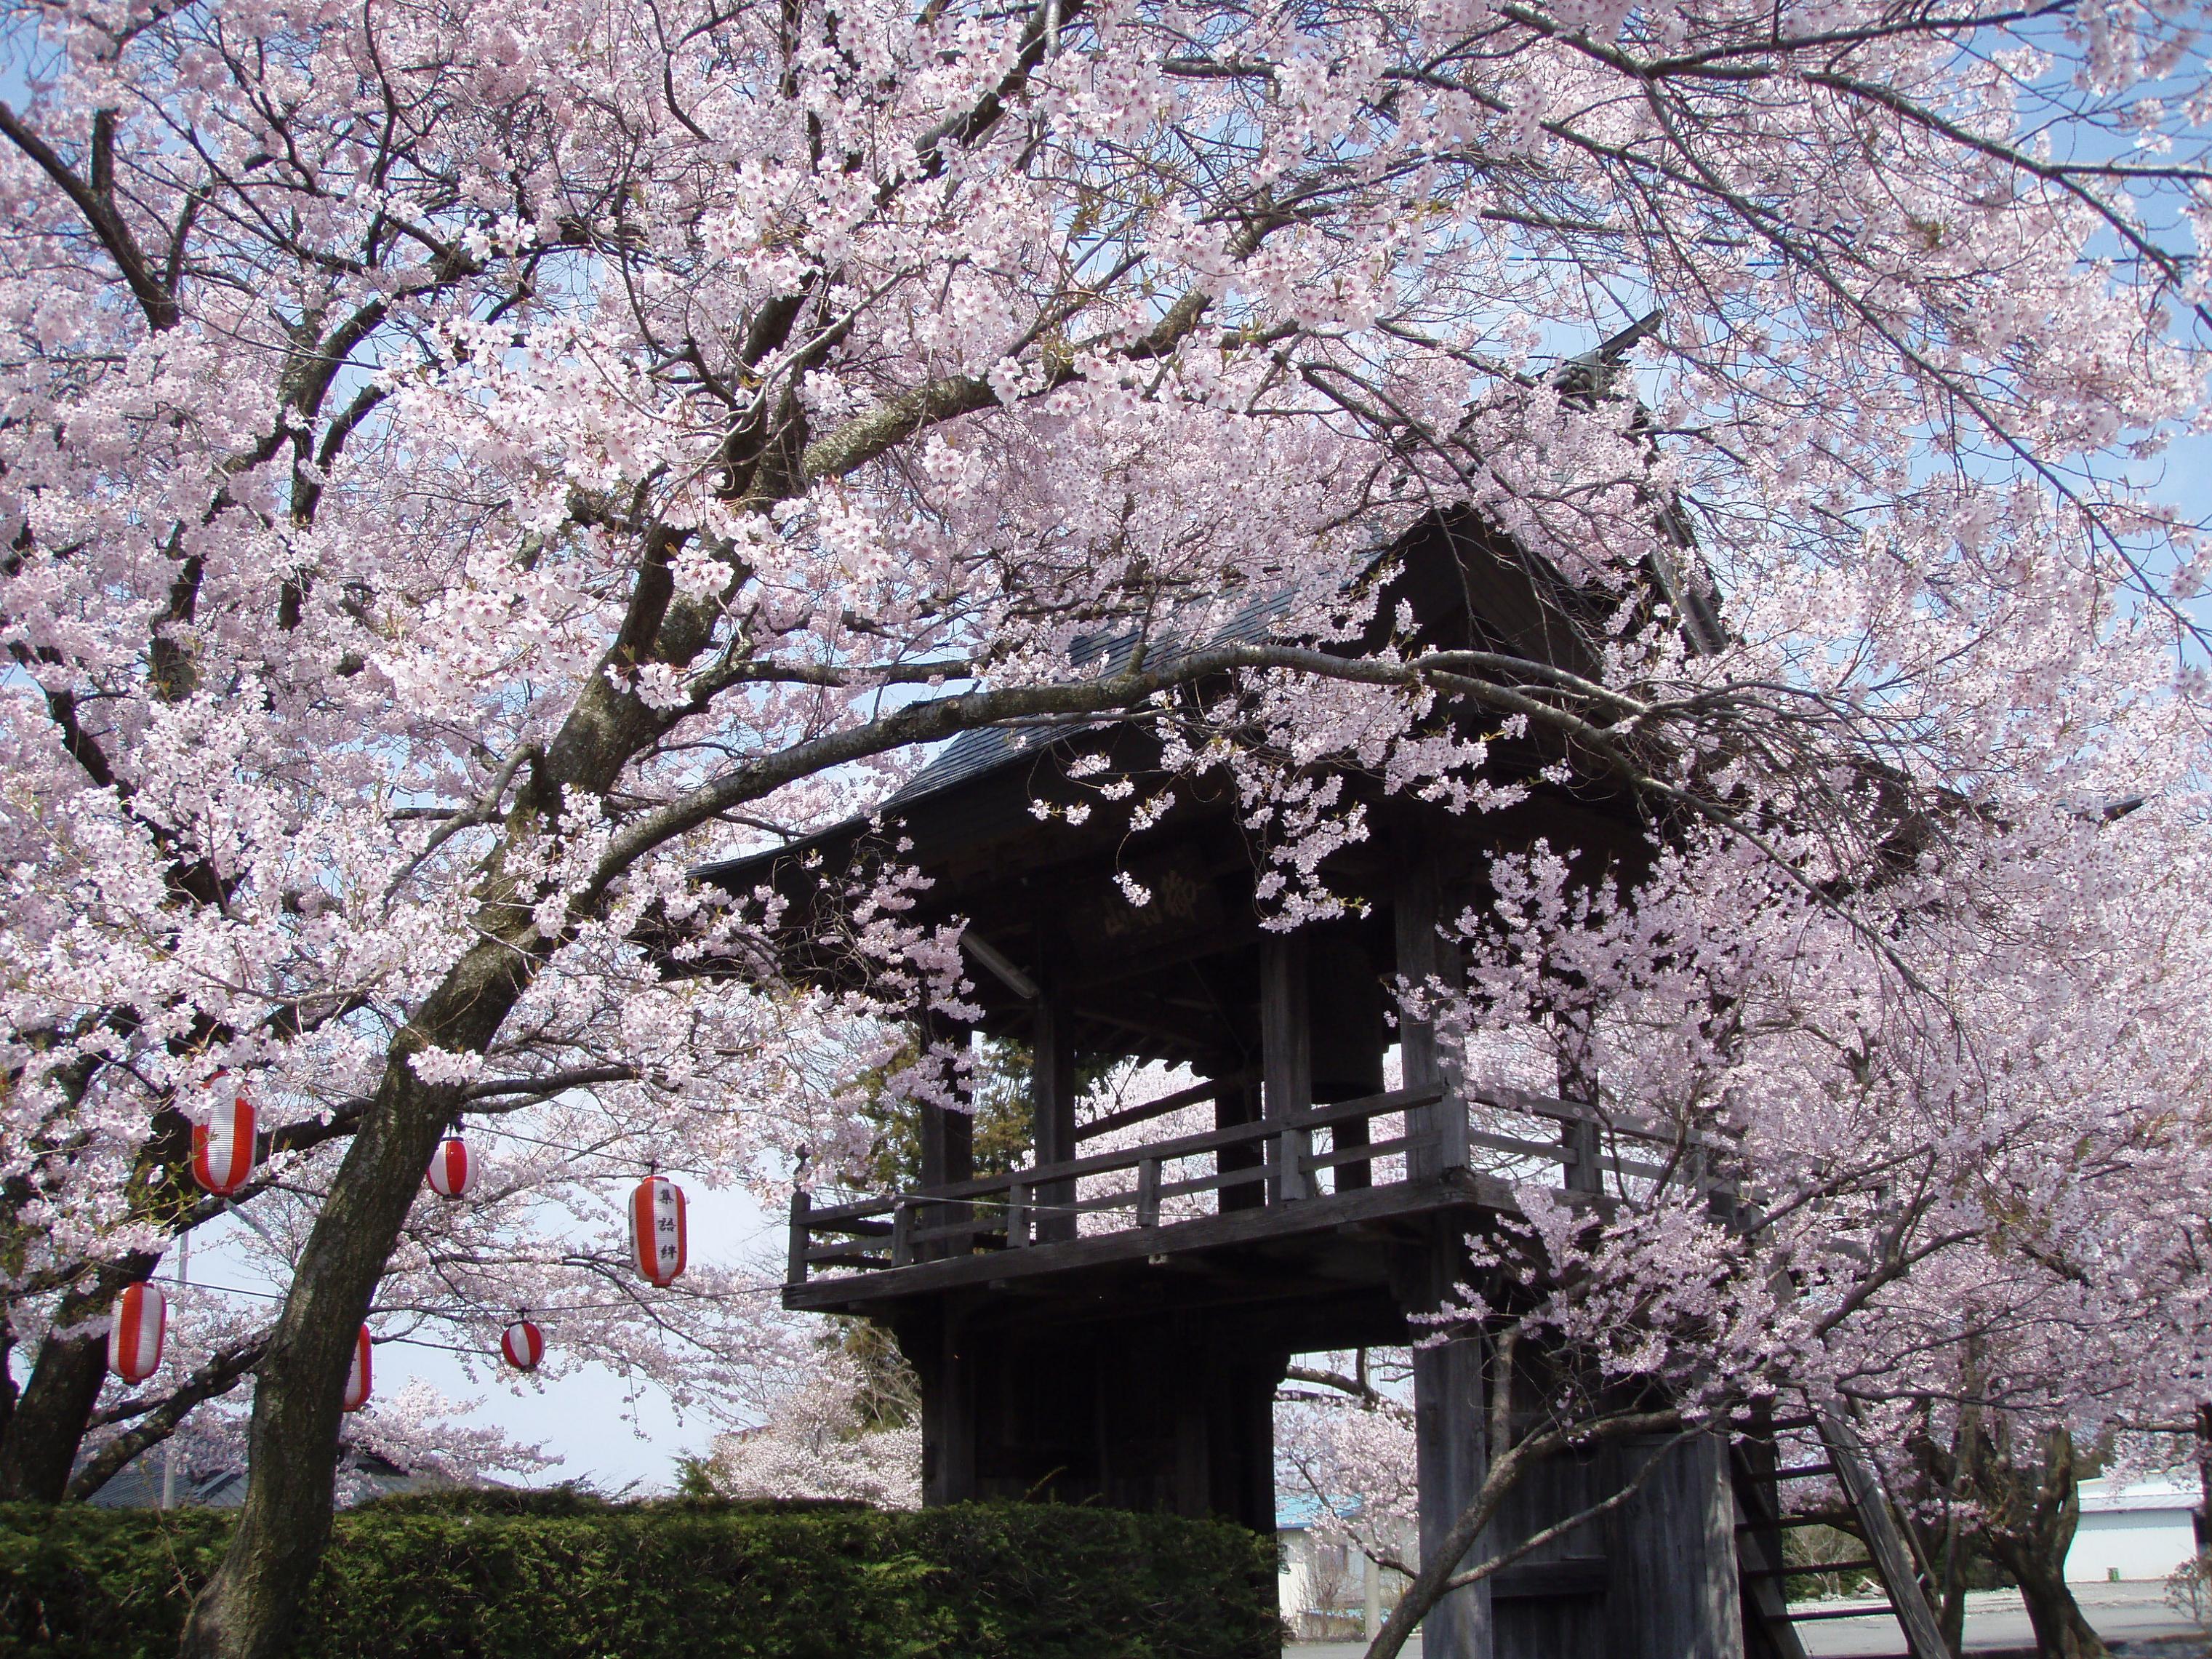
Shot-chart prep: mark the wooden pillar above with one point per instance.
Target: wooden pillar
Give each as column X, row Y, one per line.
column 1240, row 1440
column 1288, row 1081
column 1052, row 1101
column 1190, row 1484
column 799, row 1239
column 1451, row 1452
column 1423, row 953
column 1238, row 1101
column 948, row 1144
column 1674, row 1591
column 938, row 1350
column 948, row 1141
column 1346, row 1038
column 1581, row 1141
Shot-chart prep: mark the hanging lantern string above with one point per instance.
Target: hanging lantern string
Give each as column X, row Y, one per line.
column 564, row 1308
column 650, row 1165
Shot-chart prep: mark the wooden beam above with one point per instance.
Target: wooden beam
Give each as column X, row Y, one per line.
column 1185, row 1033
column 1464, row 1194
column 1052, row 1098
column 1211, row 1088
column 1003, row 969
column 1236, row 1103
column 1288, row 1082
column 1451, row 1456
column 1423, row 954
column 1578, row 1135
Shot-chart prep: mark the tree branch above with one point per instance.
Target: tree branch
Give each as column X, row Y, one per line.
column 222, row 1373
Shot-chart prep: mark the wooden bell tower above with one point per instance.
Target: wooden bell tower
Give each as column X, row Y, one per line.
column 1108, row 1324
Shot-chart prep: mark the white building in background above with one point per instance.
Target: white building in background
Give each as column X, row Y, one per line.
column 2143, row 1529
column 1329, row 1590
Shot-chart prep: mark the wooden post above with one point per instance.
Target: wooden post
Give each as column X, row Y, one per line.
column 948, row 1416
column 1018, row 1215
column 1238, row 1102
column 948, row 1141
column 1424, row 954
column 1451, row 1455
column 1148, row 1193
column 1283, row 1058
column 1580, row 1142
column 1673, row 1590
column 1191, row 1483
column 1346, row 1035
column 1370, row 1584
column 794, row 1271
column 1052, row 1104
column 1240, row 1384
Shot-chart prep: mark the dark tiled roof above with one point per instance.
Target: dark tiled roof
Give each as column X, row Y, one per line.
column 986, row 747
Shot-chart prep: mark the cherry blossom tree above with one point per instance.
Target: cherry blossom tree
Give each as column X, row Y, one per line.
column 540, row 1234
column 1344, row 1443
column 1945, row 1176
column 463, row 464
column 842, row 1419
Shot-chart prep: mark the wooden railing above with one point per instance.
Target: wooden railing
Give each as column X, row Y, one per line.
column 1440, row 1134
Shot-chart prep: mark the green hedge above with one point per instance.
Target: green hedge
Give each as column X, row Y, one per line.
column 543, row 1577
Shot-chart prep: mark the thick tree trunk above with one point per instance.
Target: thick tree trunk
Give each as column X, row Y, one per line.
column 47, row 1425
column 1951, row 1610
column 2061, row 1631
column 39, row 1446
column 2203, row 1518
column 248, row 1608
column 2030, row 1515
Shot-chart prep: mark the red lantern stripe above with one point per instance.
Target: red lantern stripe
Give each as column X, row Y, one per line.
column 522, row 1344
column 357, row 1375
column 134, row 1345
column 222, row 1147
column 657, row 1238
column 452, row 1170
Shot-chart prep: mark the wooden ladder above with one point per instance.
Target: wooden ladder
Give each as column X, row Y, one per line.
column 1770, row 1628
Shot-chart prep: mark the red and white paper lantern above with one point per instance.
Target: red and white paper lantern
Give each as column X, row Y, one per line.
column 453, row 1171
column 357, row 1375
column 656, row 1230
column 222, row 1147
column 522, row 1344
column 134, row 1346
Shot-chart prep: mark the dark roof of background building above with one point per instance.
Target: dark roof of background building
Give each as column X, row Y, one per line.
column 139, row 1484
column 986, row 747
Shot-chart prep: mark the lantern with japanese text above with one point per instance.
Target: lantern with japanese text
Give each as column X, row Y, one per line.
column 134, row 1346
column 453, row 1171
column 357, row 1375
column 656, row 1230
column 522, row 1344
column 222, row 1147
